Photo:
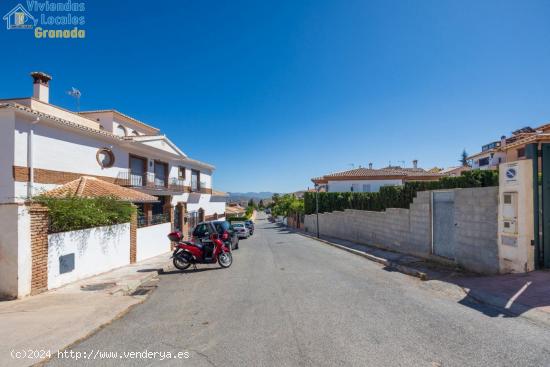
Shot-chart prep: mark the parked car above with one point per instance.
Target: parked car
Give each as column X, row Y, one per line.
column 241, row 229
column 250, row 225
column 223, row 228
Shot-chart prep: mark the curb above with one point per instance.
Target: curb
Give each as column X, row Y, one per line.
column 126, row 289
column 393, row 265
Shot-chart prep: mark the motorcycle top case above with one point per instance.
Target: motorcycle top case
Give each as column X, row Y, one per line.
column 175, row 236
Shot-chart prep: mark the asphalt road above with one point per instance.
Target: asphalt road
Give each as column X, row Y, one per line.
column 292, row 301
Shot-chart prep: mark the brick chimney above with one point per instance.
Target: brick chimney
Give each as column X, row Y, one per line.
column 415, row 163
column 41, row 86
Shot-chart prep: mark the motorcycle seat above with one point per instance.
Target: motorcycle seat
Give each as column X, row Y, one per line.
column 187, row 243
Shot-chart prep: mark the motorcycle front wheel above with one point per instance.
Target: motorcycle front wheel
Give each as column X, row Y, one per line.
column 181, row 262
column 225, row 259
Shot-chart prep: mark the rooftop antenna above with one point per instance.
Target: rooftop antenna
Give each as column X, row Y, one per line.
column 75, row 93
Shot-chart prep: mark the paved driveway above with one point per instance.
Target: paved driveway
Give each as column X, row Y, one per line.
column 292, row 301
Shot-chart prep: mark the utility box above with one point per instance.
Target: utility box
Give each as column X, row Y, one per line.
column 510, row 212
column 515, row 217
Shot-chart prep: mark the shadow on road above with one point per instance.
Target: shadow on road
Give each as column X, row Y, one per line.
column 198, row 270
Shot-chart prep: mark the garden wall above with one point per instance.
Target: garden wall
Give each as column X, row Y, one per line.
column 153, row 240
column 409, row 231
column 79, row 254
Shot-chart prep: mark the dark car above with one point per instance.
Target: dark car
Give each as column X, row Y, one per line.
column 224, row 229
column 250, row 225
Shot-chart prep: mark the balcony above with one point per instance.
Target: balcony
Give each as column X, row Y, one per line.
column 150, row 182
column 201, row 189
column 129, row 179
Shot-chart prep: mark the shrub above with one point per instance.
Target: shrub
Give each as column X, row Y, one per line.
column 395, row 196
column 238, row 219
column 72, row 213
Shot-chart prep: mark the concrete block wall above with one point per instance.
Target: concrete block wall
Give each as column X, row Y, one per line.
column 476, row 231
column 409, row 230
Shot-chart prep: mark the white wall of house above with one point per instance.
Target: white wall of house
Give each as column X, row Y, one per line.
column 65, row 150
column 494, row 160
column 152, row 241
column 60, row 149
column 96, row 250
column 204, row 201
column 361, row 185
column 7, row 126
column 15, row 251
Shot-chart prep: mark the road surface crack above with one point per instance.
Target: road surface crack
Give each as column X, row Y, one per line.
column 204, row 356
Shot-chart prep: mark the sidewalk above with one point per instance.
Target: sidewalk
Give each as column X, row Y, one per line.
column 53, row 320
column 526, row 295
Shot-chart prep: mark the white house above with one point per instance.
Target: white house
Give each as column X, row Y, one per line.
column 371, row 180
column 43, row 146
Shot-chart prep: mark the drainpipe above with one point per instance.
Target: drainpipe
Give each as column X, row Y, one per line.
column 30, row 159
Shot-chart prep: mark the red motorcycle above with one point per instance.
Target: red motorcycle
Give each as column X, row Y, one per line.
column 202, row 252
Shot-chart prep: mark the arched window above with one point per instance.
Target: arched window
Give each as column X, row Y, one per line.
column 134, row 133
column 121, row 131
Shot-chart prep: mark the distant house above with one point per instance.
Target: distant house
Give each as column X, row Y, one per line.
column 454, row 171
column 372, row 179
column 234, row 210
column 508, row 149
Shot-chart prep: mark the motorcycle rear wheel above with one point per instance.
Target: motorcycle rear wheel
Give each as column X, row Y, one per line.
column 181, row 262
column 225, row 259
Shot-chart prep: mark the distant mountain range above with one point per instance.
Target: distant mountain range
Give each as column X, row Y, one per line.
column 245, row 196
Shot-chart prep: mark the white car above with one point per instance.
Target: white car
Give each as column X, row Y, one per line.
column 240, row 229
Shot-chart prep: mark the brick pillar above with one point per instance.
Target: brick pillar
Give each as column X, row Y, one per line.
column 169, row 209
column 39, row 248
column 133, row 238
column 184, row 221
column 148, row 213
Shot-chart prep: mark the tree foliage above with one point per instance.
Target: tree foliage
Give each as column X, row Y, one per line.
column 286, row 204
column 464, row 159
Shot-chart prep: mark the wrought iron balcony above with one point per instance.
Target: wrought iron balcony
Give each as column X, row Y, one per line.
column 149, row 181
column 176, row 184
column 132, row 179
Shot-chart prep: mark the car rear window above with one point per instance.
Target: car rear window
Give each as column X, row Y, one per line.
column 221, row 226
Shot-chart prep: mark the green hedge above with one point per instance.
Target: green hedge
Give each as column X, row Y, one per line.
column 395, row 196
column 73, row 213
column 238, row 219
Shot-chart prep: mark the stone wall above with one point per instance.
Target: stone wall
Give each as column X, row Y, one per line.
column 409, row 230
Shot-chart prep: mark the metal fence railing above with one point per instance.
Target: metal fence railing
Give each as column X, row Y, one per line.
column 155, row 219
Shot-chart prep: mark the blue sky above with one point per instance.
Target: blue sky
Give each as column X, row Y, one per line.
column 276, row 92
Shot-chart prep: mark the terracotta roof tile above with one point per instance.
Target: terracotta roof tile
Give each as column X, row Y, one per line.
column 362, row 172
column 87, row 186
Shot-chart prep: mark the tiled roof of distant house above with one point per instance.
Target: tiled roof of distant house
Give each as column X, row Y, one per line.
column 87, row 186
column 363, row 173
